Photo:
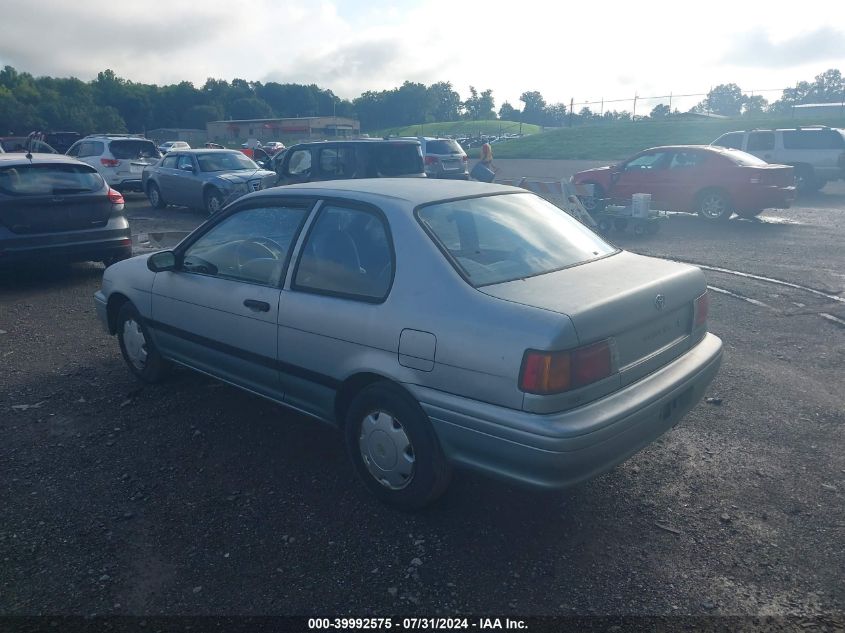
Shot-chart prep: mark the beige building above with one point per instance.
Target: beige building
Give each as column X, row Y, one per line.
column 286, row 130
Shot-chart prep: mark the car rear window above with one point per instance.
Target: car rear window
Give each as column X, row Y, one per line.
column 44, row 179
column 738, row 157
column 443, row 146
column 813, row 139
column 501, row 238
column 398, row 159
column 135, row 148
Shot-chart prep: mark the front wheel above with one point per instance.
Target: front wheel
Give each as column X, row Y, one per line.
column 713, row 205
column 213, row 201
column 137, row 346
column 154, row 195
column 394, row 449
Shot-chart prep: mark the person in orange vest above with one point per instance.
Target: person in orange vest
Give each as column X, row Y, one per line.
column 487, row 156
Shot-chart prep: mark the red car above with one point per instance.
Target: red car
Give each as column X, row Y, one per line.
column 712, row 181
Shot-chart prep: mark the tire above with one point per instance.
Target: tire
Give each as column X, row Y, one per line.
column 805, row 179
column 594, row 203
column 154, row 196
column 713, row 205
column 213, row 201
column 394, row 449
column 137, row 346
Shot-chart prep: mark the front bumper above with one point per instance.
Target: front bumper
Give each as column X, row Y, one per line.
column 562, row 449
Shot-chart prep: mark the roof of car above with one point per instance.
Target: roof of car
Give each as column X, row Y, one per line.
column 20, row 158
column 413, row 190
column 400, row 140
column 204, row 150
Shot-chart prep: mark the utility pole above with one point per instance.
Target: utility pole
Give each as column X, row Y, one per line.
column 571, row 105
column 634, row 113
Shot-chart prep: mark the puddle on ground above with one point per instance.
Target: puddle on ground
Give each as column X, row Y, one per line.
column 157, row 240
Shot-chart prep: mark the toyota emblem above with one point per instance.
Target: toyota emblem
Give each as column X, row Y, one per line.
column 659, row 302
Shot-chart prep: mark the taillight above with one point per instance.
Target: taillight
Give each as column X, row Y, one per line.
column 430, row 160
column 702, row 308
column 554, row 372
column 115, row 197
column 109, row 162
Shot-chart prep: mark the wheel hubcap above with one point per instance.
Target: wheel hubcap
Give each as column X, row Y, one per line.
column 135, row 344
column 213, row 204
column 713, row 206
column 386, row 450
column 154, row 195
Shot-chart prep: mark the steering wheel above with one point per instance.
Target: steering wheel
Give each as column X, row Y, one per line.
column 258, row 247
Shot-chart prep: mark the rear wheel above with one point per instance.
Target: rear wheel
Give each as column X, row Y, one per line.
column 213, row 201
column 594, row 203
column 394, row 449
column 713, row 205
column 805, row 179
column 137, row 347
column 154, row 195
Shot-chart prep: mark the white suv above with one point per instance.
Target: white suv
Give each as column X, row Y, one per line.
column 172, row 146
column 817, row 153
column 120, row 159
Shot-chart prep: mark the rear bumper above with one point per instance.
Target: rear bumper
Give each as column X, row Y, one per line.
column 71, row 246
column 771, row 197
column 559, row 450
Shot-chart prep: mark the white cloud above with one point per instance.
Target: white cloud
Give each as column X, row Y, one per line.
column 581, row 51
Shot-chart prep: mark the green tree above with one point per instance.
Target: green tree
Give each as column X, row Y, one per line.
column 660, row 111
column 535, row 106
column 508, row 113
column 250, row 108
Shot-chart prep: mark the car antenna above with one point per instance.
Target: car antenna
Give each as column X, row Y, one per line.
column 29, row 140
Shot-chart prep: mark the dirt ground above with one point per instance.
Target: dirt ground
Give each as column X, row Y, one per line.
column 192, row 497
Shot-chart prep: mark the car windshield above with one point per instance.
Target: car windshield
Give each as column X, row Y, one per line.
column 743, row 158
column 225, row 161
column 500, row 238
column 40, row 179
column 135, row 148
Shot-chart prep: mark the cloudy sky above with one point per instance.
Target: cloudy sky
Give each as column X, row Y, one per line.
column 584, row 51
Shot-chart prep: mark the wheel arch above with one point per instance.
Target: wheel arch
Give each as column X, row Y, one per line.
column 352, row 386
column 113, row 306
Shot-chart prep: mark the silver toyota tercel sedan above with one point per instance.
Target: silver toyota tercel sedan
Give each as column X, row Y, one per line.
column 437, row 323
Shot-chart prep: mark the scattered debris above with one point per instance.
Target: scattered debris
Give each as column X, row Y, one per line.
column 714, row 401
column 725, row 517
column 197, row 589
column 416, row 561
column 667, row 528
column 830, row 487
column 25, row 407
column 126, row 403
column 392, row 591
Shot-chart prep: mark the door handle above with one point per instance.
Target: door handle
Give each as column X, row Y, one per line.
column 257, row 306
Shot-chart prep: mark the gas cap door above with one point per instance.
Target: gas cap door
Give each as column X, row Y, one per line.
column 416, row 349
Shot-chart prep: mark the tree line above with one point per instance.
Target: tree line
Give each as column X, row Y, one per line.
column 114, row 104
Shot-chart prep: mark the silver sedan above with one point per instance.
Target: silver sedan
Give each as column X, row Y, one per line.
column 435, row 323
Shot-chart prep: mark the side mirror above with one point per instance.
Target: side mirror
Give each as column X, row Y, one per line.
column 162, row 261
column 189, row 168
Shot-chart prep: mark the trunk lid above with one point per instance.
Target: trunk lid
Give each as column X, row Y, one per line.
column 644, row 305
column 776, row 175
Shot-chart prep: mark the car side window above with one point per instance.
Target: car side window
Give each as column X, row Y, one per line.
column 170, row 162
column 185, row 162
column 651, row 161
column 251, row 245
column 337, row 162
column 686, row 160
column 74, row 151
column 90, row 148
column 761, row 141
column 347, row 253
column 300, row 163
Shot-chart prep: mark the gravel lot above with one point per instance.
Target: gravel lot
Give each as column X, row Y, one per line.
column 195, row 498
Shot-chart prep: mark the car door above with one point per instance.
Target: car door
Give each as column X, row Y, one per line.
column 333, row 308
column 218, row 311
column 165, row 175
column 297, row 166
column 762, row 145
column 184, row 182
column 689, row 171
column 645, row 173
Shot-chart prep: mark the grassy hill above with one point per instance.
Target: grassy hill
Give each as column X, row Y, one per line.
column 457, row 128
column 603, row 141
